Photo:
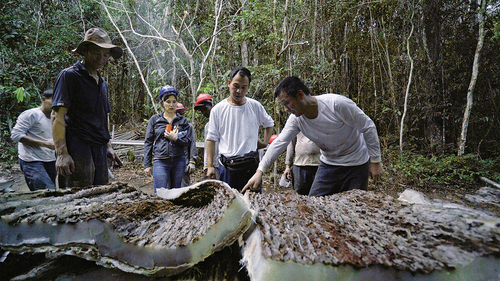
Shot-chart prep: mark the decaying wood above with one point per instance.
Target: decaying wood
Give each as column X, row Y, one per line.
column 119, row 226
column 362, row 229
column 294, row 237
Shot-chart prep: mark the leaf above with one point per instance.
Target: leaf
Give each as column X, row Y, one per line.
column 20, row 94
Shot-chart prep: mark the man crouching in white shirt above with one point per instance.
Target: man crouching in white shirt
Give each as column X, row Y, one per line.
column 347, row 138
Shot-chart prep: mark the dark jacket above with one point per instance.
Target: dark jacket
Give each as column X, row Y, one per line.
column 157, row 146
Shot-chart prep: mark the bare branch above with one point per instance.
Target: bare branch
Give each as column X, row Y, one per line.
column 131, row 53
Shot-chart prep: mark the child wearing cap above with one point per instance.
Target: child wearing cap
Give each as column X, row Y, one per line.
column 164, row 148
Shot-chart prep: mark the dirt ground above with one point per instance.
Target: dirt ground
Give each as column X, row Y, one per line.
column 132, row 173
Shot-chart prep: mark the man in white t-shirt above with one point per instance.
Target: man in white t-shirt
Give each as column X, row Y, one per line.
column 37, row 157
column 346, row 136
column 235, row 123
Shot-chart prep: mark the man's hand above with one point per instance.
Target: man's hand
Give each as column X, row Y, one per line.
column 114, row 156
column 254, row 182
column 148, row 171
column 65, row 165
column 211, row 172
column 261, row 145
column 190, row 168
column 376, row 171
column 288, row 173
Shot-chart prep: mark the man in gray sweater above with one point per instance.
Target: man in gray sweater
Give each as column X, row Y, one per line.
column 346, row 136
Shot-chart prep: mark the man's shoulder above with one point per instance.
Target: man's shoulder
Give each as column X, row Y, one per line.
column 333, row 99
column 35, row 111
column 223, row 103
column 252, row 101
column 71, row 70
column 329, row 96
column 30, row 115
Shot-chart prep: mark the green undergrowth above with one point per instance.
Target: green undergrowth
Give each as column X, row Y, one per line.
column 429, row 171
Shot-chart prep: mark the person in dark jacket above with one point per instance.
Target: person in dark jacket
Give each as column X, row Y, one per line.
column 167, row 136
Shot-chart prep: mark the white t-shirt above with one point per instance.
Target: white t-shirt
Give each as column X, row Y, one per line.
column 33, row 123
column 345, row 135
column 237, row 127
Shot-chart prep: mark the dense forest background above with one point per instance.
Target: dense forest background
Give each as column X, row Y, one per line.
column 410, row 65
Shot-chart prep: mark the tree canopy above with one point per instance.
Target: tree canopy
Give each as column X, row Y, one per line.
column 361, row 49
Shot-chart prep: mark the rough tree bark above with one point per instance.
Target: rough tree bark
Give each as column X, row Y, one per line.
column 475, row 70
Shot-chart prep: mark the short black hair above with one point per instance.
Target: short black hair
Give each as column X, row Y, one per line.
column 48, row 93
column 242, row 71
column 291, row 86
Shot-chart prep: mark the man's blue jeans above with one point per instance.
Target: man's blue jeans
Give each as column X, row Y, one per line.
column 171, row 169
column 39, row 175
column 334, row 179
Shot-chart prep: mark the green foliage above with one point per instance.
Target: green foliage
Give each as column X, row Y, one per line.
column 130, row 155
column 450, row 170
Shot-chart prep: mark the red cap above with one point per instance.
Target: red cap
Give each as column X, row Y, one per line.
column 202, row 98
column 180, row 107
column 272, row 138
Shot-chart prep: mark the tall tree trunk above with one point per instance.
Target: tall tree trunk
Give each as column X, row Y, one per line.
column 431, row 37
column 472, row 84
column 407, row 87
column 244, row 45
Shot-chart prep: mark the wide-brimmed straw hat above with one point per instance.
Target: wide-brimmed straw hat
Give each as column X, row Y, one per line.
column 99, row 37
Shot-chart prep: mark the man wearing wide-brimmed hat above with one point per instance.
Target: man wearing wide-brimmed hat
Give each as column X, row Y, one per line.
column 79, row 114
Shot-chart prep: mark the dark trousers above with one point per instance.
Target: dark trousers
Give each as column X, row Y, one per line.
column 237, row 179
column 91, row 164
column 334, row 179
column 303, row 178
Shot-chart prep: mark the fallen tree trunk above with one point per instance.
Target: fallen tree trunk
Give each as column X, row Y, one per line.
column 354, row 235
column 119, row 227
column 360, row 235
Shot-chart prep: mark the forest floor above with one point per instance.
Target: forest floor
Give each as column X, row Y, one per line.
column 132, row 173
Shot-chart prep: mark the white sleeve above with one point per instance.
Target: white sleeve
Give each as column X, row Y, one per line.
column 279, row 145
column 23, row 124
column 265, row 119
column 212, row 131
column 353, row 116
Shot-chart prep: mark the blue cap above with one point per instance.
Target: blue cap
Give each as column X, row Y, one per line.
column 167, row 90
